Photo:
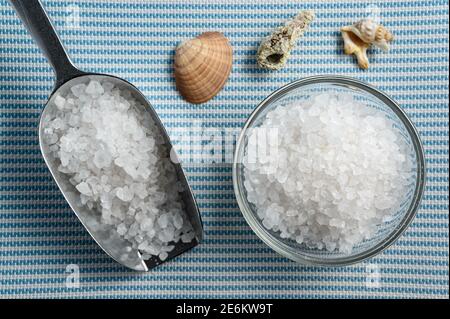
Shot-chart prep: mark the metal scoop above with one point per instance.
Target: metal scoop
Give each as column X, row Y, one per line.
column 34, row 17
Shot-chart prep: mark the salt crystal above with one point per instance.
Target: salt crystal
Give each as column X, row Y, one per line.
column 94, row 88
column 124, row 194
column 102, row 158
column 178, row 221
column 107, row 86
column 78, row 90
column 84, row 189
column 60, row 102
column 187, row 237
column 147, row 224
column 122, row 229
column 163, row 256
column 163, row 220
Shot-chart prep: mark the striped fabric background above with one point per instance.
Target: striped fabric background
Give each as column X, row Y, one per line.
column 41, row 241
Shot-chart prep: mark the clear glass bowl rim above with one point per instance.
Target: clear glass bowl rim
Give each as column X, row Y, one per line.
column 292, row 253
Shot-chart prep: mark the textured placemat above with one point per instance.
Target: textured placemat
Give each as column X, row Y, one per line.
column 42, row 245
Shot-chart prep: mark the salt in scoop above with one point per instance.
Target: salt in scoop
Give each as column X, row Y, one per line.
column 34, row 17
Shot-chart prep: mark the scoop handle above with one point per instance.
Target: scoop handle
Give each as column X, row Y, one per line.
column 39, row 25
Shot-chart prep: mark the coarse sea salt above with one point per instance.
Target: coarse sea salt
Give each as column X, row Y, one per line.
column 116, row 158
column 338, row 172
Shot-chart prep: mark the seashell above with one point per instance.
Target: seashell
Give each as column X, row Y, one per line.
column 371, row 32
column 354, row 45
column 275, row 50
column 202, row 66
column 359, row 36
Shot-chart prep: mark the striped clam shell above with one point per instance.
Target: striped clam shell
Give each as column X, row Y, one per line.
column 202, row 66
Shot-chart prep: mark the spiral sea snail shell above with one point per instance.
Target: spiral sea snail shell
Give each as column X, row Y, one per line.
column 360, row 36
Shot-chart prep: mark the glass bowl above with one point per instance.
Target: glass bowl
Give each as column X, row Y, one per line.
column 387, row 232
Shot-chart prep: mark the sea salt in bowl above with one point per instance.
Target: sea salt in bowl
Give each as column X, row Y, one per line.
column 393, row 220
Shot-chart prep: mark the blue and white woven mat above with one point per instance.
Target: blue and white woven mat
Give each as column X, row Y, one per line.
column 42, row 244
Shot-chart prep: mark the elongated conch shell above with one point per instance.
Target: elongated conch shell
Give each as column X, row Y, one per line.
column 274, row 51
column 361, row 35
column 202, row 66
